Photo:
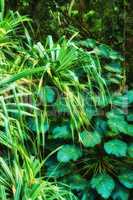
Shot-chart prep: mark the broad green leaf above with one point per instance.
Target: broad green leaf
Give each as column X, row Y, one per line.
column 120, row 101
column 129, row 96
column 101, row 126
column 61, row 105
column 120, row 194
column 104, row 185
column 90, row 139
column 116, row 147
column 114, row 55
column 47, row 94
column 118, row 125
column 130, row 150
column 114, row 67
column 61, row 132
column 89, row 43
column 90, row 112
column 68, row 153
column 126, row 178
column 130, row 117
column 103, row 50
column 129, row 130
column 38, row 127
column 77, row 182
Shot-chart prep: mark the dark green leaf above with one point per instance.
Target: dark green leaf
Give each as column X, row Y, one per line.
column 126, row 178
column 130, row 150
column 104, row 185
column 90, row 139
column 68, row 153
column 130, row 117
column 120, row 194
column 77, row 182
column 47, row 94
column 116, row 147
column 61, row 132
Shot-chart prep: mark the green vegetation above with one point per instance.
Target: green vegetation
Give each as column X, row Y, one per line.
column 65, row 116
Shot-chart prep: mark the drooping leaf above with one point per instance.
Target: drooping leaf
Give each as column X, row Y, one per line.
column 114, row 67
column 115, row 55
column 104, row 185
column 89, row 43
column 120, row 101
column 126, row 178
column 103, row 50
column 68, row 153
column 90, row 139
column 61, row 132
column 116, row 147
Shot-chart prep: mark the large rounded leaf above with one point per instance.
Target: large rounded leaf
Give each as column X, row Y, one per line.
column 61, row 132
column 47, row 94
column 116, row 147
column 126, row 178
column 104, row 185
column 90, row 139
column 68, row 153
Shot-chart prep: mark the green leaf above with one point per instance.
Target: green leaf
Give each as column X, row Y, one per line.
column 116, row 147
column 118, row 125
column 120, row 194
column 61, row 105
column 47, row 94
column 120, row 101
column 89, row 43
column 68, row 153
column 101, row 126
column 114, row 67
column 103, row 50
column 2, row 6
column 130, row 117
column 61, row 132
column 129, row 96
column 126, row 178
column 90, row 139
column 40, row 127
column 130, row 150
column 57, row 170
column 129, row 130
column 104, row 185
column 114, row 55
column 77, row 182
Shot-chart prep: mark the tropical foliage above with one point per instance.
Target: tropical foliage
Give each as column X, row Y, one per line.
column 65, row 116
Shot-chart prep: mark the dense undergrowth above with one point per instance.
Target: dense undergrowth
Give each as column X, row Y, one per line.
column 65, row 118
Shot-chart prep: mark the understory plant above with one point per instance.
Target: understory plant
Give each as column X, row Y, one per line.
column 65, row 119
